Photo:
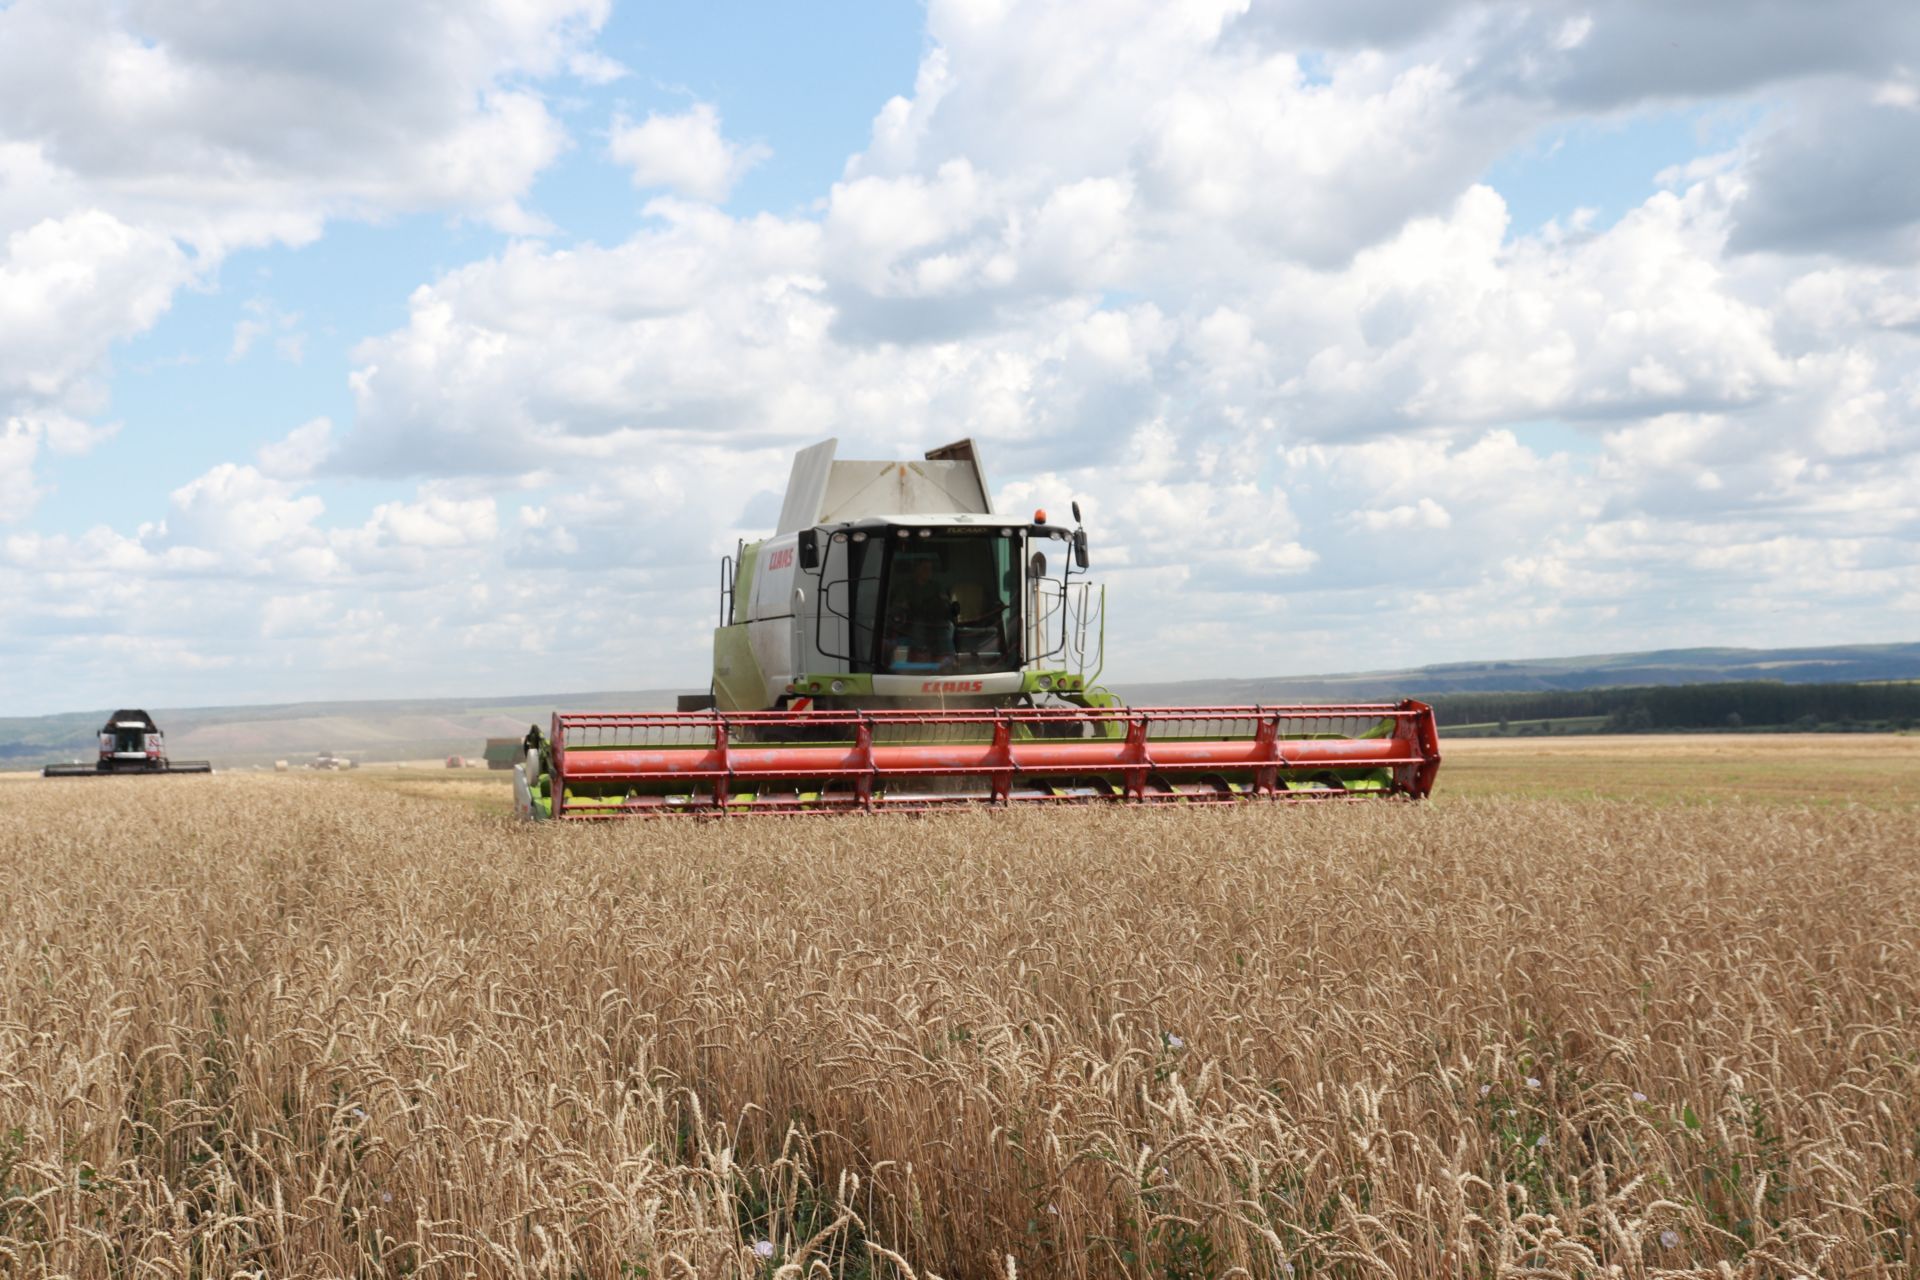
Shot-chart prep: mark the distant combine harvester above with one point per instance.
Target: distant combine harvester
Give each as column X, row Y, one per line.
column 130, row 742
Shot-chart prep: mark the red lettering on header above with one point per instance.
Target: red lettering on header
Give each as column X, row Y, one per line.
column 780, row 559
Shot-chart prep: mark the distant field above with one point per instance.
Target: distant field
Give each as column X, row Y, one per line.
column 364, row 1024
column 1882, row 770
column 1564, row 725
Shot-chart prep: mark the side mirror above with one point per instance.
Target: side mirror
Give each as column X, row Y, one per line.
column 809, row 550
column 1080, row 546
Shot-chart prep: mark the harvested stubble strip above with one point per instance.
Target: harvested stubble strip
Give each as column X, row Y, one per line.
column 303, row 1027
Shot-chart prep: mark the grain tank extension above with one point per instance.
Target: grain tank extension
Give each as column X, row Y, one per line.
column 896, row 643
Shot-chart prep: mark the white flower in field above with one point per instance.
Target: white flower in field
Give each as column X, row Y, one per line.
column 1639, row 1096
column 1485, row 1089
column 386, row 1197
column 763, row 1249
column 1286, row 1268
column 1669, row 1239
column 1053, row 1210
column 359, row 1113
column 1174, row 1041
column 1541, row 1141
column 1533, row 1082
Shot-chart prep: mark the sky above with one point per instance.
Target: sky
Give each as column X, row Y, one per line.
column 444, row 347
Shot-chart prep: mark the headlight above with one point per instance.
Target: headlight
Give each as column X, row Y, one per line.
column 1045, row 682
column 839, row 686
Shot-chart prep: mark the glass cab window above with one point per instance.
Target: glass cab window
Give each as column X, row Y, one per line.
column 952, row 604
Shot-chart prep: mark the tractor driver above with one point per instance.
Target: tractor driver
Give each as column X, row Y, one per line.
column 923, row 620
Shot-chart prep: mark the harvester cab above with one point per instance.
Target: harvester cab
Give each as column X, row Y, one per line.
column 897, row 644
column 130, row 742
column 893, row 585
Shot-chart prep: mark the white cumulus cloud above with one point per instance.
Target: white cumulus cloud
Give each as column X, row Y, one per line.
column 685, row 153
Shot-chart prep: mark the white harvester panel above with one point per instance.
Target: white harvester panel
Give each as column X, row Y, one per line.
column 826, row 490
column 772, row 617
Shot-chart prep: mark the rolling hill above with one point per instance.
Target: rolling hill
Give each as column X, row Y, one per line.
column 1590, row 671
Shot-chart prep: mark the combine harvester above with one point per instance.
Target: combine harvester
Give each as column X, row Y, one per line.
column 897, row 645
column 130, row 742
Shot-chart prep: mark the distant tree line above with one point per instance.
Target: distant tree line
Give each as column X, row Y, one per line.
column 1751, row 704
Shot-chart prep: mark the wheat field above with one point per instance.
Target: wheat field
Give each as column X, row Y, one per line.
column 260, row 1025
